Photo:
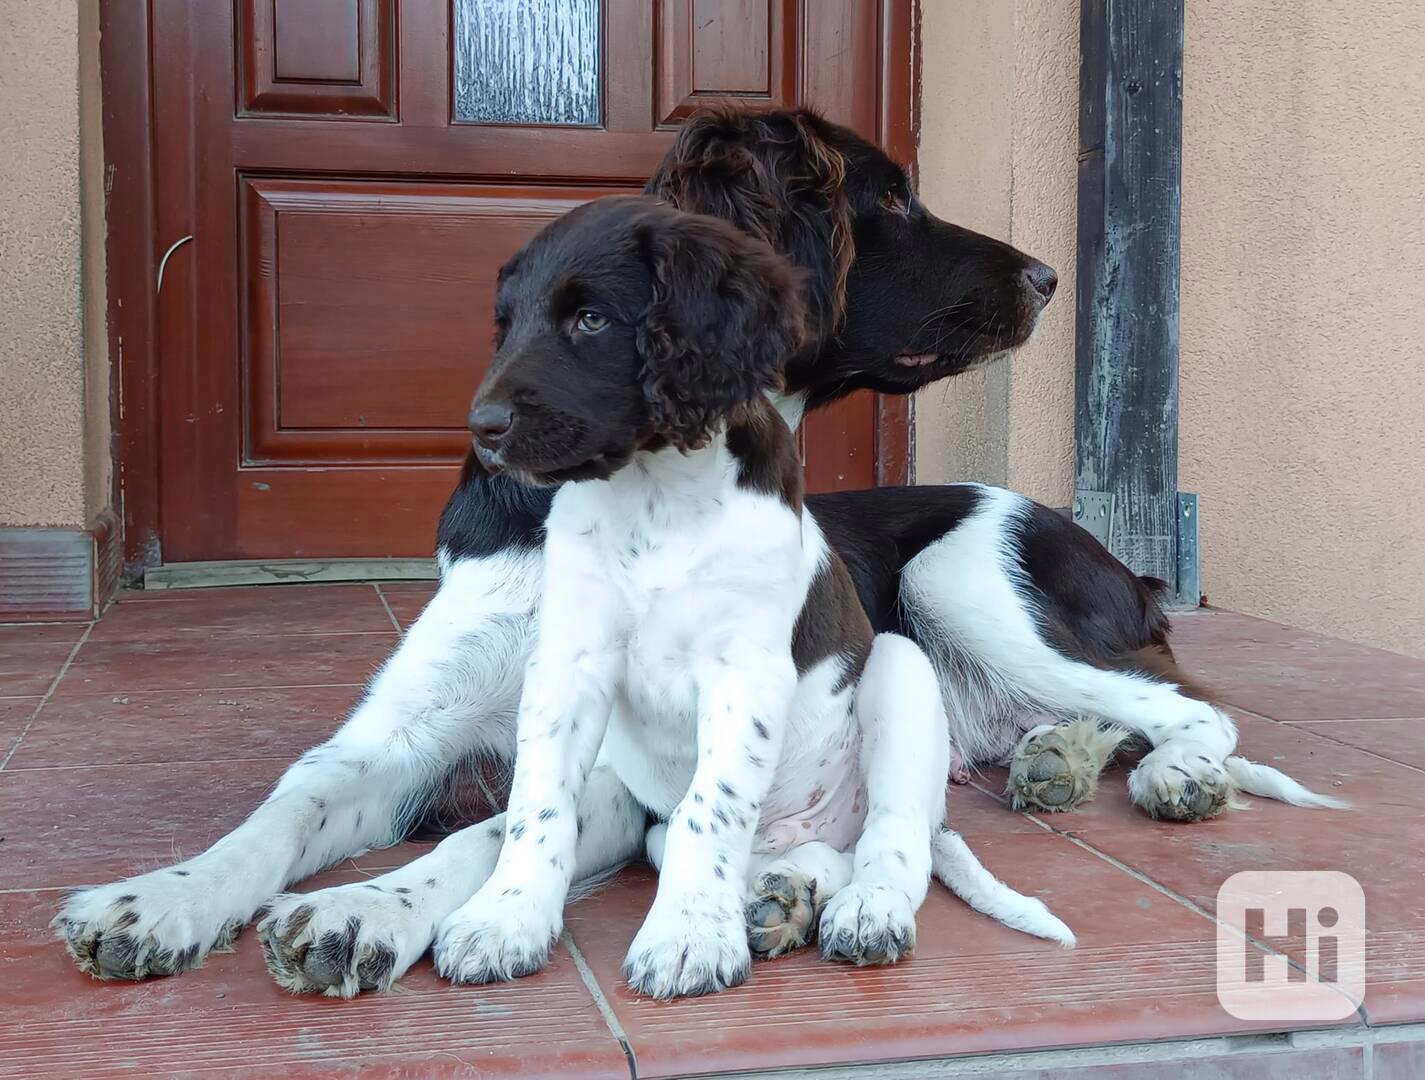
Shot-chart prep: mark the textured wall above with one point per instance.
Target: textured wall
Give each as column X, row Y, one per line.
column 98, row 455
column 1303, row 311
column 41, row 325
column 998, row 150
column 1303, row 300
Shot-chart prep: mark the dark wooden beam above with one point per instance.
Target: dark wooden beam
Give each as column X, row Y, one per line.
column 1130, row 184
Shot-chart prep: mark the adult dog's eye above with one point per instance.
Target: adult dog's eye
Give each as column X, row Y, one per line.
column 895, row 200
column 590, row 322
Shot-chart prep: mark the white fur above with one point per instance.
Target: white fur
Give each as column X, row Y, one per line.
column 449, row 692
column 999, row 676
column 670, row 599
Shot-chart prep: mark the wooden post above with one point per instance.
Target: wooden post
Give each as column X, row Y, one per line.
column 1130, row 184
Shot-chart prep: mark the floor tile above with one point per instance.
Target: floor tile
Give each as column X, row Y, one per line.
column 15, row 713
column 1398, row 1061
column 200, row 661
column 312, row 609
column 1365, row 842
column 1399, row 740
column 1335, row 1063
column 230, row 1019
column 31, row 656
column 408, row 599
column 66, row 827
column 84, row 826
column 182, row 725
column 1293, row 674
column 1144, row 969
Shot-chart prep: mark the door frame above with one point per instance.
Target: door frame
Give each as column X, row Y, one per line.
column 134, row 258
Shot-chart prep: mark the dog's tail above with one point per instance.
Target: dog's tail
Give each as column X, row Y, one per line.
column 1272, row 783
column 964, row 875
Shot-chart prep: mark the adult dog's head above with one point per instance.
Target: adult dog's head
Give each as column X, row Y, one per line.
column 628, row 325
column 898, row 298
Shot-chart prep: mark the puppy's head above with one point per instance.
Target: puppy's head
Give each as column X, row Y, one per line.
column 624, row 326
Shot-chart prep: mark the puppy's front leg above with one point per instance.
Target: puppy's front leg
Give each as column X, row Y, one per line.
column 694, row 940
column 506, row 929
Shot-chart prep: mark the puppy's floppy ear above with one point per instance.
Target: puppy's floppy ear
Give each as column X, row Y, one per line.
column 725, row 317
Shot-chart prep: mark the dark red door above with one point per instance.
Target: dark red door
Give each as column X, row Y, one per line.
column 353, row 172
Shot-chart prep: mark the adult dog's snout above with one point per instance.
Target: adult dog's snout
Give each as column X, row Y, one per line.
column 490, row 422
column 1041, row 280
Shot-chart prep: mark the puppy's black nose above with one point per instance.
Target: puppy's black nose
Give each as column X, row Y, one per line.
column 490, row 423
column 1041, row 279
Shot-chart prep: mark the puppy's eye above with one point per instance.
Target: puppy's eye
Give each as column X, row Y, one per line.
column 590, row 322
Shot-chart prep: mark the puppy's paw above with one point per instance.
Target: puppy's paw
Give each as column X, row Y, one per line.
column 346, row 939
column 162, row 923
column 496, row 937
column 1181, row 781
column 689, row 945
column 867, row 924
column 781, row 914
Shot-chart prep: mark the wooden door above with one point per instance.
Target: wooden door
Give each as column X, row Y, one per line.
column 353, row 172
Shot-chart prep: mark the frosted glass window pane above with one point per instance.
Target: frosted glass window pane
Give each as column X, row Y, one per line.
column 527, row 61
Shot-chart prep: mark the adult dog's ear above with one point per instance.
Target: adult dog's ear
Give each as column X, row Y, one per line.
column 774, row 175
column 726, row 315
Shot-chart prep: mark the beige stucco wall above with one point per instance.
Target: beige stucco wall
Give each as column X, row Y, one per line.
column 1303, row 311
column 54, row 435
column 1303, row 296
column 998, row 149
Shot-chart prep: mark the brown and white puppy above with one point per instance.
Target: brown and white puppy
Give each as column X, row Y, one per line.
column 696, row 633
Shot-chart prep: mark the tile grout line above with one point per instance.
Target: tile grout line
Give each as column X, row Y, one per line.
column 44, row 699
column 1348, row 720
column 591, row 983
column 1294, row 725
column 145, row 764
column 381, row 595
column 224, row 689
column 1157, row 886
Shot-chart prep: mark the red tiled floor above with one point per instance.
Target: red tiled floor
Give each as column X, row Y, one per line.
column 181, row 709
column 230, row 1019
column 407, row 599
column 182, row 725
column 1294, row 674
column 15, row 713
column 310, row 609
column 1399, row 740
column 971, row 987
column 1365, row 842
column 31, row 656
column 66, row 827
column 206, row 661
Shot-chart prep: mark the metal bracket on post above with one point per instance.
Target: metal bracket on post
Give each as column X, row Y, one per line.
column 1189, row 591
column 1093, row 510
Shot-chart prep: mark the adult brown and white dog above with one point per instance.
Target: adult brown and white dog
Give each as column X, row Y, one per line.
column 1026, row 617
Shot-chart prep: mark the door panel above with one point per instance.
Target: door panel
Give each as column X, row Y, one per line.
column 324, row 58
column 354, row 172
column 355, row 285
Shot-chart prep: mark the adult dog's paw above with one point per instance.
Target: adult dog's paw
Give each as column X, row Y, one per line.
column 1181, row 781
column 162, row 923
column 494, row 938
column 690, row 945
column 867, row 924
column 1056, row 767
column 346, row 939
